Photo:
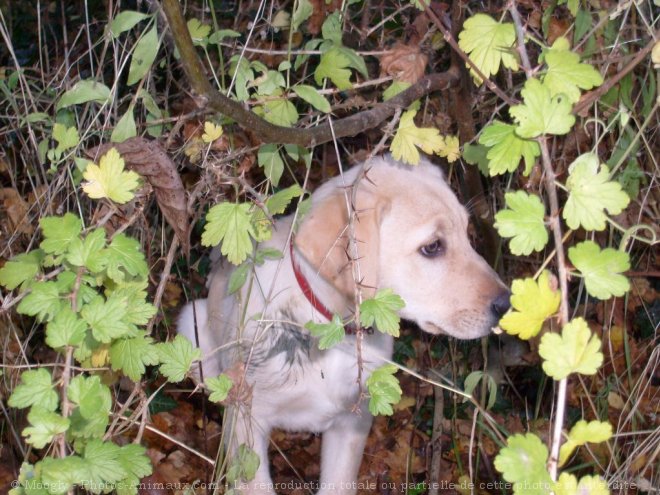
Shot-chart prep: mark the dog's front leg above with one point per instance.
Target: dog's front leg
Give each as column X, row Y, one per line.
column 245, row 430
column 341, row 453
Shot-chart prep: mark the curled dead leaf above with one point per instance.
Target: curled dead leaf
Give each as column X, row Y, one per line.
column 404, row 63
column 150, row 160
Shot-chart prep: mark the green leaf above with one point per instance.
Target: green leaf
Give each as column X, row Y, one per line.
column 565, row 74
column 541, row 112
column 311, row 95
column 591, row 192
column 355, row 60
column 125, row 128
column 221, row 34
column 582, row 433
column 176, row 357
column 280, row 111
column 109, row 180
column 134, row 298
column 532, row 303
column 476, row 154
column 44, row 301
column 299, row 153
column 66, row 138
column 90, row 252
column 394, row 89
column 84, row 92
column 279, row 201
column 523, row 462
column 125, row 21
column 144, row 55
column 106, row 318
column 198, row 31
column 21, row 269
column 65, row 329
column 331, row 29
column 384, row 390
column 507, row 149
column 333, row 66
column 269, row 83
column 381, row 311
column 61, row 474
column 59, row 232
column 230, row 224
column 131, row 355
column 409, row 137
column 36, row 389
column 94, row 400
column 302, row 12
column 243, row 466
column 264, row 254
column 102, row 460
column 473, row 379
column 270, row 159
column 330, row 334
column 124, row 257
column 44, row 425
column 487, row 43
column 523, row 222
column 601, row 269
column 576, row 350
column 88, row 393
column 631, row 178
column 238, row 277
column 134, row 460
column 219, row 387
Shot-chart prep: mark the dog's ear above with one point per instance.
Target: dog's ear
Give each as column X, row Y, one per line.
column 323, row 239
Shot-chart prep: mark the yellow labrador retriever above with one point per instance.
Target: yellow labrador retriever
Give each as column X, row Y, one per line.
column 410, row 235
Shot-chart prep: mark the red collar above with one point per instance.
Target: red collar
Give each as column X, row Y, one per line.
column 306, row 289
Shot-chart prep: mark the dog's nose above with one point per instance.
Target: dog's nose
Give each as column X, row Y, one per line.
column 501, row 304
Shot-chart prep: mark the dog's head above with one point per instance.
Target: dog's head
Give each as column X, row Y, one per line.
column 411, row 235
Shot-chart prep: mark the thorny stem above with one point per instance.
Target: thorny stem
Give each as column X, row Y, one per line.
column 555, row 226
column 520, row 34
column 562, row 271
column 66, row 373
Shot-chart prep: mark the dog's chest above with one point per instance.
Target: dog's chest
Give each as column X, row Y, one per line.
column 300, row 387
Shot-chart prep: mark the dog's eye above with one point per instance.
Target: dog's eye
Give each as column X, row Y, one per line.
column 436, row 248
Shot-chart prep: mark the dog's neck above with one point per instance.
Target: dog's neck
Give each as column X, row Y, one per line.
column 322, row 295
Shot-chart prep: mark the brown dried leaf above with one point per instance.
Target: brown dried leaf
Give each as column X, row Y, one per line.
column 404, row 63
column 148, row 159
column 17, row 210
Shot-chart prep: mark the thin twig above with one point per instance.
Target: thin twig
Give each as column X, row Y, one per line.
column 562, row 271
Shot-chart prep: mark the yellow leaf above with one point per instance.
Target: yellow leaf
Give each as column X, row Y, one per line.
column 532, row 303
column 100, row 356
column 452, row 149
column 409, row 137
column 211, row 132
column 109, row 180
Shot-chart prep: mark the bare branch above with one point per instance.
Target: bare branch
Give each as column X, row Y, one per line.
column 270, row 133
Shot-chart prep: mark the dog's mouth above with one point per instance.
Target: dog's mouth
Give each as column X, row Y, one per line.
column 474, row 332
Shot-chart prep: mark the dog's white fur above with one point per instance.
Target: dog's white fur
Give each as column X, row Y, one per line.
column 296, row 386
